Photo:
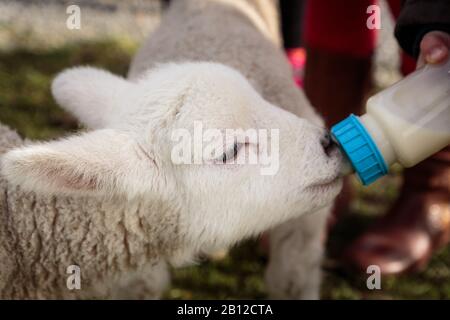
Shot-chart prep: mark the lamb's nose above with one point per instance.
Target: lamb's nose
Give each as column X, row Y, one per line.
column 326, row 143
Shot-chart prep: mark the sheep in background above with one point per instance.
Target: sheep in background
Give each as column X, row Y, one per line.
column 120, row 206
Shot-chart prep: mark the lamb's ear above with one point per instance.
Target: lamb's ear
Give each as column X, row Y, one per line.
column 102, row 162
column 92, row 95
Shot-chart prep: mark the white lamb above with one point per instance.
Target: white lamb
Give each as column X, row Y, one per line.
column 113, row 202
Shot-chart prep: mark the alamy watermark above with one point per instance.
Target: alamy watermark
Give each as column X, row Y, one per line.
column 227, row 147
column 74, row 279
column 73, row 21
column 374, row 19
column 374, row 280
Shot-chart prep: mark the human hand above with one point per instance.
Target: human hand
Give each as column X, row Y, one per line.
column 434, row 48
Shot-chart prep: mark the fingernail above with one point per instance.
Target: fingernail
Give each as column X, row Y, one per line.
column 435, row 55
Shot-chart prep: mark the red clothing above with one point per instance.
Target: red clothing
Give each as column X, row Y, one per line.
column 332, row 26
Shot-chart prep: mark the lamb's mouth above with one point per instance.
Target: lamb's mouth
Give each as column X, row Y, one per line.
column 326, row 185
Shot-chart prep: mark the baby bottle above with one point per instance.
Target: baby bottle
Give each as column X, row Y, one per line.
column 404, row 124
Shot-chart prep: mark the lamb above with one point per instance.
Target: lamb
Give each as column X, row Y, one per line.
column 112, row 201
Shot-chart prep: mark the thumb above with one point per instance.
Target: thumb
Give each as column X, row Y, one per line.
column 434, row 47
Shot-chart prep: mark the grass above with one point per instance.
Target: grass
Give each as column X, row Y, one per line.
column 25, row 76
column 27, row 106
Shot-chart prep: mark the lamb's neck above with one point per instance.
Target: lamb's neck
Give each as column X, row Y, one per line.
column 40, row 238
column 262, row 13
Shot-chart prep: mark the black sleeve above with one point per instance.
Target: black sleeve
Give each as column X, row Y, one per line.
column 418, row 17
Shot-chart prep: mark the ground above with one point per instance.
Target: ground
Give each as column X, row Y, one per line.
column 26, row 70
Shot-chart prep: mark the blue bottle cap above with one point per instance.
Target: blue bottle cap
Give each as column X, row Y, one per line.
column 360, row 149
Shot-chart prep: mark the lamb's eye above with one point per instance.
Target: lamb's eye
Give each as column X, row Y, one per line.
column 231, row 153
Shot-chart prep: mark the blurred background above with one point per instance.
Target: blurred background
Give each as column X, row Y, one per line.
column 35, row 44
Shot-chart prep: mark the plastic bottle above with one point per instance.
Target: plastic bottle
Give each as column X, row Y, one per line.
column 405, row 123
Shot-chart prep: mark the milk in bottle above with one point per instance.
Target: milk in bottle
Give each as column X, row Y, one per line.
column 406, row 123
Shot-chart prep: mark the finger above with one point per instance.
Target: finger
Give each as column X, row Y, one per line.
column 435, row 47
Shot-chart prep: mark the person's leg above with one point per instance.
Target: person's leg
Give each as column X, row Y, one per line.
column 417, row 224
column 338, row 66
column 419, row 221
column 340, row 49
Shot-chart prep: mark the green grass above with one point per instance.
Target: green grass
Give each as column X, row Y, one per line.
column 27, row 106
column 25, row 77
